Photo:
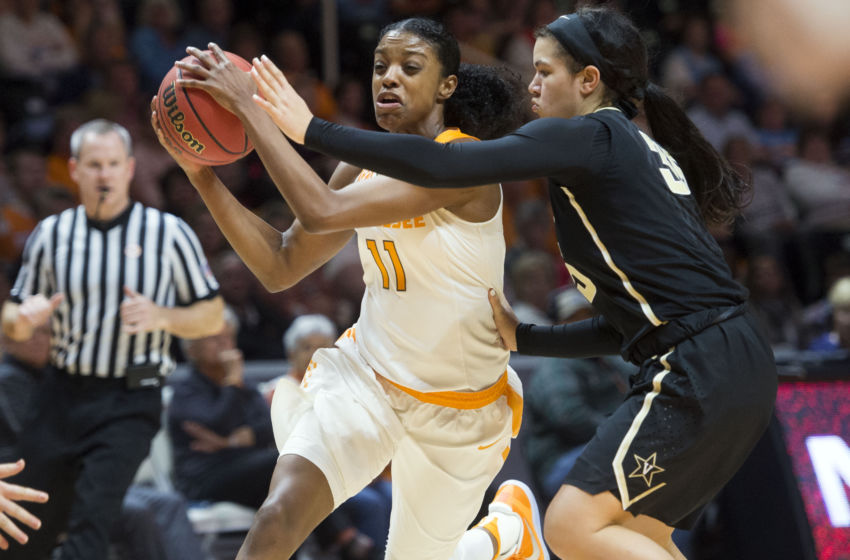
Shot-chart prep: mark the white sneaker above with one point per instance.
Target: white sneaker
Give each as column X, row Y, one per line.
column 515, row 497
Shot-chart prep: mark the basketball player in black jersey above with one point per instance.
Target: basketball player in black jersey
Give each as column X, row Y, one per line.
column 630, row 210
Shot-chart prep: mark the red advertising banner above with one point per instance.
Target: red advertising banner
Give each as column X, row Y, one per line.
column 815, row 417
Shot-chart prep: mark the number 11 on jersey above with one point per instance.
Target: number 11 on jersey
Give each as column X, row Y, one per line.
column 389, row 248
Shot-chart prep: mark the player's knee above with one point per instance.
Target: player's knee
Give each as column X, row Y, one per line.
column 567, row 527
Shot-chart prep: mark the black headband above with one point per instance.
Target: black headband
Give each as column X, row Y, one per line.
column 573, row 36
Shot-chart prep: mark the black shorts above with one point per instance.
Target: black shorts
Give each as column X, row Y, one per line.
column 690, row 420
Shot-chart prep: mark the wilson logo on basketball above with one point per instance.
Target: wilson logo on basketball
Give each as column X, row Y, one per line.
column 176, row 117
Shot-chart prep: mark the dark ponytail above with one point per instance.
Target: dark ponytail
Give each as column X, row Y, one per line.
column 488, row 102
column 719, row 190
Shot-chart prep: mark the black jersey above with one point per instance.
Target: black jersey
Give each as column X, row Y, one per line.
column 628, row 227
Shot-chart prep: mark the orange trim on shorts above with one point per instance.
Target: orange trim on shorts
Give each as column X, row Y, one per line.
column 471, row 400
column 349, row 333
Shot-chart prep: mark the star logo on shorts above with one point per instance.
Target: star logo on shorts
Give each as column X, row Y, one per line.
column 646, row 469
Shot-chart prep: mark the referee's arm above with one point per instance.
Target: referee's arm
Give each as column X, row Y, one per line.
column 202, row 318
column 21, row 319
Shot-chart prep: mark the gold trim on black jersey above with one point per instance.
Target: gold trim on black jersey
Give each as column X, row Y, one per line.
column 627, row 284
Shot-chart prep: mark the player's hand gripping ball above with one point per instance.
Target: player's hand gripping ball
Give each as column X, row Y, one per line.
column 196, row 124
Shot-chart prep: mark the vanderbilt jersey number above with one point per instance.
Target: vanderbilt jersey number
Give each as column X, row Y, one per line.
column 669, row 169
column 398, row 269
column 584, row 285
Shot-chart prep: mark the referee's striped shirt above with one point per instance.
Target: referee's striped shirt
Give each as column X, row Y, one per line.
column 151, row 252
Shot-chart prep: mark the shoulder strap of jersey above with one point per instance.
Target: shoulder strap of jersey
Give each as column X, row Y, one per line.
column 450, row 134
column 444, row 137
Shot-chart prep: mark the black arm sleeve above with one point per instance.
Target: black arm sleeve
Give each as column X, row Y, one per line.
column 582, row 339
column 548, row 147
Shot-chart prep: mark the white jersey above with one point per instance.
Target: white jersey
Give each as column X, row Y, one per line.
column 425, row 321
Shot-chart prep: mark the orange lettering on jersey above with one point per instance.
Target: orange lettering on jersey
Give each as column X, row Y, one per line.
column 410, row 223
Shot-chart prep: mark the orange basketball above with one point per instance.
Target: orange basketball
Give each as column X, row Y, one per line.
column 192, row 120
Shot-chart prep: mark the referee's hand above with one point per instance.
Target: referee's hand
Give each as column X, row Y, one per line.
column 36, row 310
column 138, row 313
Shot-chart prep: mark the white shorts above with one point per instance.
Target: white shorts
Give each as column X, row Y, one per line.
column 351, row 423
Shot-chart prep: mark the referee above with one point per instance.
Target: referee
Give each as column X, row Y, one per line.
column 114, row 280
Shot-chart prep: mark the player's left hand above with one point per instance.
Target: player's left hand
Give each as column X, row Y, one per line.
column 218, row 76
column 189, row 166
column 279, row 99
column 139, row 314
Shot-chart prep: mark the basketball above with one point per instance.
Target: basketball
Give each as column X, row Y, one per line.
column 202, row 129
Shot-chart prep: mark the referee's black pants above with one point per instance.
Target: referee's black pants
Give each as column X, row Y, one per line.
column 83, row 441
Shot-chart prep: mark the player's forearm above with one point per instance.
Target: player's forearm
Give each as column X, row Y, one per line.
column 14, row 326
column 202, row 318
column 300, row 186
column 582, row 339
column 256, row 242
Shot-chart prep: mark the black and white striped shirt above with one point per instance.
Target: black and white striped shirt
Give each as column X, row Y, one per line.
column 153, row 253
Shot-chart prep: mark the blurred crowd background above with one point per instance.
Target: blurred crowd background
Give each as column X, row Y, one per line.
column 63, row 62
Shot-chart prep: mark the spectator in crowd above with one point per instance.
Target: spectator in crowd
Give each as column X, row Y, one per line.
column 17, row 220
column 533, row 230
column 771, row 213
column 21, row 370
column 518, row 46
column 154, row 525
column 259, row 332
column 715, row 114
column 289, row 50
column 213, row 23
column 817, row 315
column 101, row 34
column 467, row 20
column 685, row 67
column 839, row 336
column 28, row 170
column 353, row 110
column 819, row 186
column 179, row 196
column 220, row 428
column 532, row 280
column 777, row 139
column 157, row 41
column 773, row 301
column 35, row 46
column 67, row 119
column 343, row 275
column 247, row 40
column 112, row 279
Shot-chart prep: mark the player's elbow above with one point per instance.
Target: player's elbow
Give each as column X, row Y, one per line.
column 275, row 284
column 316, row 221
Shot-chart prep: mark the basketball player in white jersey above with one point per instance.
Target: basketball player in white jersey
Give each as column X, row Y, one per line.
column 420, row 380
